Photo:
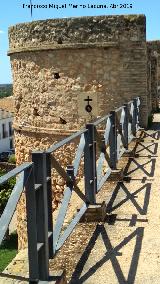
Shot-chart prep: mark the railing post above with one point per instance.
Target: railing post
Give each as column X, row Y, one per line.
column 125, row 126
column 39, row 160
column 134, row 121
column 90, row 171
column 49, row 195
column 29, row 184
column 113, row 141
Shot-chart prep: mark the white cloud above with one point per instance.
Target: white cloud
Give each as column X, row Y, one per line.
column 1, row 32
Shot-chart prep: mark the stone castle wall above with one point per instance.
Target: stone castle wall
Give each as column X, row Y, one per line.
column 154, row 46
column 153, row 49
column 56, row 64
column 149, row 88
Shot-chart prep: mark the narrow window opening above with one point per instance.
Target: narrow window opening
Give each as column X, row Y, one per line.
column 4, row 132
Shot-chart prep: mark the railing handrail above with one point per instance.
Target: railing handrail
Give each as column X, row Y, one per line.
column 56, row 146
column 15, row 172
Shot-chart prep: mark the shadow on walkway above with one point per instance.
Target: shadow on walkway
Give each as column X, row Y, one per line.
column 110, row 255
column 130, row 197
column 14, row 277
column 147, row 171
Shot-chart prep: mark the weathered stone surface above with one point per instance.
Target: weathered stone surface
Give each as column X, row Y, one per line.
column 104, row 55
column 153, row 49
column 7, row 103
column 78, row 30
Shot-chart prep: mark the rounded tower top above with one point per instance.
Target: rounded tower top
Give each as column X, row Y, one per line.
column 68, row 32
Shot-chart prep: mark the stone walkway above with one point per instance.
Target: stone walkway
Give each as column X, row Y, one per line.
column 126, row 247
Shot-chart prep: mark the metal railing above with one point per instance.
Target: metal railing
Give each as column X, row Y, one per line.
column 112, row 140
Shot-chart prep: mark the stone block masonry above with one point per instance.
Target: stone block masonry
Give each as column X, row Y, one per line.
column 55, row 61
column 153, row 48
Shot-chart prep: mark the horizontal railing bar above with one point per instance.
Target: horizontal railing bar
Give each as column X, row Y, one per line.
column 130, row 102
column 10, row 208
column 118, row 109
column 140, row 128
column 15, row 172
column 71, row 226
column 95, row 123
column 65, row 141
column 47, row 282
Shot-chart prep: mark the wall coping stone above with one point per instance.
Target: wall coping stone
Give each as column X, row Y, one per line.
column 41, row 130
column 90, row 29
column 47, row 47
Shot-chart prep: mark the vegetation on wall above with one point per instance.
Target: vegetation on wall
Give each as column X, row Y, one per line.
column 12, row 159
column 5, row 191
column 6, row 90
column 8, row 248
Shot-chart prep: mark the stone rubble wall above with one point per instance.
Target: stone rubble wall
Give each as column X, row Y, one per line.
column 153, row 48
column 118, row 76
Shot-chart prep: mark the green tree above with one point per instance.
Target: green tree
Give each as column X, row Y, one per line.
column 5, row 191
column 12, row 159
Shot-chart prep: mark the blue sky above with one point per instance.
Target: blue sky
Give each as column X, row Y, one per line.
column 12, row 12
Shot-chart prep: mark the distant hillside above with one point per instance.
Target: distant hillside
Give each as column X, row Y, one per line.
column 6, row 90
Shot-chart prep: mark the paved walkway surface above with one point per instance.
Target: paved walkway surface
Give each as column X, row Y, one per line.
column 126, row 247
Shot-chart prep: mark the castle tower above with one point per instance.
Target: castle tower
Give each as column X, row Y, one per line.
column 60, row 66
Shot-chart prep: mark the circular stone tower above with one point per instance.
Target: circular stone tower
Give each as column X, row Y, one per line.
column 60, row 66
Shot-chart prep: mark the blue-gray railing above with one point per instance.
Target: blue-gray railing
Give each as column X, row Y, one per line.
column 116, row 132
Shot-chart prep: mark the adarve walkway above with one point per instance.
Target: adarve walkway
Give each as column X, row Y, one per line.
column 125, row 248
